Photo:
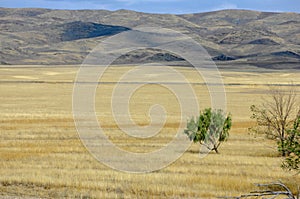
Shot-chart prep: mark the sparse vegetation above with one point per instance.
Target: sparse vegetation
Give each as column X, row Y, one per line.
column 41, row 155
column 276, row 115
column 210, row 129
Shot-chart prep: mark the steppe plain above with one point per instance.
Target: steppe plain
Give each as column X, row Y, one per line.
column 42, row 155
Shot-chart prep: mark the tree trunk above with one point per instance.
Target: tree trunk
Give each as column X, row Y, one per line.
column 216, row 149
column 283, row 150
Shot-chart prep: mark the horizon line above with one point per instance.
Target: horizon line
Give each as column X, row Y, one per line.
column 132, row 10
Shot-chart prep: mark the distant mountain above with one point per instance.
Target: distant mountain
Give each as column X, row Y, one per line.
column 232, row 37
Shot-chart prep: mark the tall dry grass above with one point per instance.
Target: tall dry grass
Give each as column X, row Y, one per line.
column 42, row 156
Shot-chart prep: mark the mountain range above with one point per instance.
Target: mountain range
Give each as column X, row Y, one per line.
column 233, row 38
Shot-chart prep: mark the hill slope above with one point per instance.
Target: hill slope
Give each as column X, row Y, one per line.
column 232, row 37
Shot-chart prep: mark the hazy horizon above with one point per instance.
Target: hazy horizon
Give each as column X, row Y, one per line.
column 160, row 7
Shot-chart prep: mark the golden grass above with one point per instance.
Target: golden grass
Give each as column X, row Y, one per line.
column 42, row 156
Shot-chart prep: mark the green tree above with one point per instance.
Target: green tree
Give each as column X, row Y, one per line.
column 210, row 129
column 292, row 145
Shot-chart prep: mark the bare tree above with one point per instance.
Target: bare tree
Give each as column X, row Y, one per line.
column 273, row 190
column 276, row 115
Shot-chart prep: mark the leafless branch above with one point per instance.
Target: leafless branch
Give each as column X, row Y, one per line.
column 271, row 191
column 277, row 114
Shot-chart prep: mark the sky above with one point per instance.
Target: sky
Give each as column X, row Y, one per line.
column 159, row 6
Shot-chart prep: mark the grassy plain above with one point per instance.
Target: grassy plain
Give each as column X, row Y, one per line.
column 42, row 156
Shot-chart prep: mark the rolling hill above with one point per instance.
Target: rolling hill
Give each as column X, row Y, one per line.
column 234, row 38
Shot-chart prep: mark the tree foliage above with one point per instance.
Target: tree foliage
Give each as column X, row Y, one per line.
column 210, row 129
column 292, row 145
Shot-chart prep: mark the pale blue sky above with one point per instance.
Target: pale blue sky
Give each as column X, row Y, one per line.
column 160, row 6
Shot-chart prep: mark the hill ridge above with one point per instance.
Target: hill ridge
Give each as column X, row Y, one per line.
column 232, row 37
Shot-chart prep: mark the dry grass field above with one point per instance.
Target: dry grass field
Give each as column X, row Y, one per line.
column 42, row 156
